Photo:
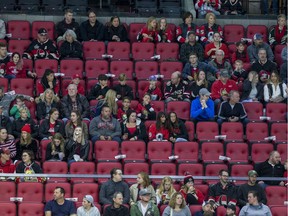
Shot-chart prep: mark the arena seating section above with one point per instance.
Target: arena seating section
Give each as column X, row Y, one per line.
column 199, row 156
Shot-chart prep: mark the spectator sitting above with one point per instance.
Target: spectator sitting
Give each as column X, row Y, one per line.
column 88, row 207
column 105, row 127
column 100, row 89
column 117, row 208
column 143, row 182
column 116, row 31
column 251, row 185
column 202, row 108
column 253, row 49
column 184, row 28
column 71, row 47
column 115, row 184
column 220, row 62
column 41, row 48
column 15, row 68
column 211, row 48
column 263, row 63
column 76, row 80
column 191, row 195
column 92, row 29
column 239, row 74
column 122, row 89
column 122, row 111
column 76, row 121
column 177, row 205
column 207, row 210
column 133, row 128
column 149, row 33
column 231, row 210
column 59, row 205
column 48, row 81
column 14, row 111
column 4, row 58
column 254, row 206
column 164, row 31
column 252, row 88
column 240, row 53
column 67, row 23
column 145, row 205
column 6, row 164
column 278, row 34
column 232, row 110
column 191, row 46
column 2, row 29
column 272, row 167
column 55, row 150
column 145, row 110
column 232, row 7
column 109, row 100
column 7, row 142
column 176, row 89
column 153, row 90
column 283, row 67
column 165, row 191
column 160, row 130
column 208, row 6
column 26, row 142
column 5, row 122
column 48, row 127
column 275, row 90
column 77, row 147
column 199, row 83
column 178, row 129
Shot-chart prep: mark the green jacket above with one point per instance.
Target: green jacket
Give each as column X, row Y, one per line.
column 135, row 209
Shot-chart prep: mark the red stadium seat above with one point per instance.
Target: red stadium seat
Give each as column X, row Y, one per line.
column 22, row 86
column 134, row 150
column 233, row 33
column 119, row 50
column 232, row 48
column 278, row 210
column 168, row 67
column 27, row 209
column 144, row 69
column 210, row 152
column 134, row 169
column 142, row 51
column 42, row 64
column 260, row 151
column 133, row 104
column 65, row 83
column 181, row 108
column 282, row 149
column 238, row 152
column 82, row 189
column 276, row 195
column 134, row 29
column 256, row 131
column 48, row 25
column 50, row 187
column 172, row 26
column 206, row 130
column 30, row 191
column 190, row 129
column 277, row 54
column 148, row 123
column 104, row 168
column 8, row 189
column 194, row 169
column 18, row 46
column 232, row 130
column 130, row 83
column 213, row 170
column 4, row 83
column 157, row 169
column 251, row 30
column 94, row 68
column 195, row 208
column 254, row 110
column 71, row 66
column 82, row 168
column 55, row 167
column 187, row 151
column 159, row 150
column 106, row 150
column 240, row 170
column 28, row 64
column 8, row 208
column 158, row 106
column 43, row 147
column 204, row 189
column 118, row 67
column 142, row 84
column 221, row 211
column 280, row 131
column 167, row 51
column 19, row 29
column 93, row 49
column 277, row 111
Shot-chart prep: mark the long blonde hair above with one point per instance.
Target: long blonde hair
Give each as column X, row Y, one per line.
column 148, row 23
column 59, row 137
column 161, row 188
column 82, row 135
column 27, row 141
column 110, row 100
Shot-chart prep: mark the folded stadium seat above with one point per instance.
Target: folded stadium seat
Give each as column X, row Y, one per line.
column 144, row 69
column 260, row 151
column 22, row 86
column 240, row 170
column 93, row 49
column 134, row 29
column 159, row 151
column 48, row 25
column 106, row 150
column 233, row 33
column 29, row 6
column 254, row 110
column 168, row 67
column 190, row 129
column 77, row 6
column 130, row 83
column 277, row 112
column 19, row 29
column 27, row 209
column 8, row 208
column 194, row 169
column 71, row 66
column 50, row 187
column 157, row 169
column 134, row 169
column 256, row 131
column 134, row 150
column 210, row 152
column 195, row 208
column 206, row 131
column 8, row 189
column 119, row 50
column 276, row 195
column 53, row 5
column 282, row 149
column 118, row 67
column 42, row 64
column 18, row 45
column 55, row 167
column 81, row 189
column 28, row 64
column 142, row 84
column 187, row 152
column 31, row 191
column 4, row 83
column 66, row 82
column 278, row 210
column 277, row 54
column 142, row 51
column 84, row 167
column 181, row 108
column 238, row 152
column 232, row 130
column 93, row 68
column 253, row 29
column 167, row 51
column 279, row 130
column 104, row 168
column 213, row 170
column 221, row 211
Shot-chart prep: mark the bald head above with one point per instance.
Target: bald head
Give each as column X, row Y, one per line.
column 175, row 77
column 274, row 157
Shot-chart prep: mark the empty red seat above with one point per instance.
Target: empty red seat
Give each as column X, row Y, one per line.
column 104, row 168
column 210, row 152
column 187, row 151
column 71, row 66
column 19, row 29
column 233, row 33
column 240, row 170
column 48, row 25
column 144, row 69
column 206, row 130
column 30, row 191
column 278, row 210
column 55, row 167
column 118, row 67
column 232, row 130
column 251, row 30
column 195, row 208
column 277, row 54
column 27, row 209
column 42, row 64
column 8, row 208
column 142, row 51
column 134, row 150
column 8, row 189
column 158, row 169
column 276, row 111
column 168, row 67
column 282, row 149
column 50, row 187
column 93, row 49
column 94, row 68
column 254, row 110
column 119, row 50
column 82, row 189
column 18, row 46
column 213, row 170
column 276, row 195
column 134, row 29
column 181, row 108
column 194, row 169
column 28, row 64
column 280, row 131
column 22, row 86
column 190, row 129
column 260, row 151
column 221, row 211
column 134, row 169
column 159, row 150
column 106, row 150
column 256, row 131
column 238, row 152
column 158, row 106
column 82, row 168
column 167, row 51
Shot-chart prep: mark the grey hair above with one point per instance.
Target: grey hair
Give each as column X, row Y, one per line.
column 70, row 32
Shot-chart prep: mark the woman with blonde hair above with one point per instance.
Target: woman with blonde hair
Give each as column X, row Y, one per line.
column 110, row 101
column 149, row 33
column 165, row 191
column 177, row 206
column 164, row 31
column 252, row 88
column 55, row 150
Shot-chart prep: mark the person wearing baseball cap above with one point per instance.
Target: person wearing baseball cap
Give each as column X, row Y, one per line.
column 76, row 80
column 153, row 89
column 6, row 164
column 88, row 207
column 251, row 185
column 191, row 195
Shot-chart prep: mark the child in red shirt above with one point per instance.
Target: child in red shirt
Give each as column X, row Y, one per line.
column 149, row 33
column 160, row 127
column 14, row 68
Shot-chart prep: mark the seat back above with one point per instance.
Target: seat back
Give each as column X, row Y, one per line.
column 276, row 195
column 254, row 110
column 135, row 169
column 159, row 150
column 82, row 168
column 55, row 167
column 134, row 29
column 8, row 208
column 119, row 50
column 71, row 66
column 8, row 189
column 106, row 150
column 48, row 25
column 42, row 64
column 93, row 49
column 282, row 149
column 118, row 67
column 27, row 209
column 181, row 108
column 210, row 152
column 232, row 130
column 144, row 69
column 134, row 150
column 240, row 170
column 261, row 151
column 18, row 45
column 142, row 51
column 168, row 67
column 81, row 189
column 277, row 111
column 30, row 191
column 233, row 33
column 238, row 152
column 277, row 54
column 280, row 131
column 19, row 29
column 256, row 131
column 251, row 30
column 22, row 86
column 187, row 151
column 104, row 168
column 167, row 51
column 190, row 129
column 278, row 210
column 194, row 169
column 94, row 68
column 206, row 130
column 213, row 170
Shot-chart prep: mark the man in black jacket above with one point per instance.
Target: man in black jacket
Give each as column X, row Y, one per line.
column 117, row 209
column 92, row 29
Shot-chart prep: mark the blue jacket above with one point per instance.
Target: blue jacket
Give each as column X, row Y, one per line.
column 202, row 114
